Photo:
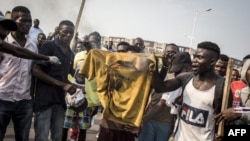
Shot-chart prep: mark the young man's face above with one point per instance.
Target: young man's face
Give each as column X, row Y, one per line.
column 220, row 67
column 79, row 47
column 36, row 23
column 139, row 43
column 202, row 61
column 170, row 53
column 122, row 48
column 41, row 38
column 235, row 75
column 65, row 33
column 94, row 41
column 24, row 22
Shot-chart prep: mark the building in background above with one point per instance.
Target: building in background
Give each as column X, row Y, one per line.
column 156, row 47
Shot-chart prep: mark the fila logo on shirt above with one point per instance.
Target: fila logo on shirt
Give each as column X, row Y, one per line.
column 194, row 116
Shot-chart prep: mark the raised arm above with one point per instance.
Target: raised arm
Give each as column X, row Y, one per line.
column 161, row 86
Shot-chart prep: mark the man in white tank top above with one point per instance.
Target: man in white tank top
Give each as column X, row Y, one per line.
column 196, row 115
column 197, row 111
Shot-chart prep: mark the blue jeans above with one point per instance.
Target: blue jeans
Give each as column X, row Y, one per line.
column 154, row 131
column 21, row 114
column 49, row 120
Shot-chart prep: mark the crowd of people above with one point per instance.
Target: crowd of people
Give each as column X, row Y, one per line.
column 172, row 96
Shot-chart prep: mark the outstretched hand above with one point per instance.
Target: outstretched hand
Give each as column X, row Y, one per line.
column 54, row 60
column 167, row 59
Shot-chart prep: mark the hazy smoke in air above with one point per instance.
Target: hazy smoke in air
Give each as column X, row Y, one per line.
column 51, row 12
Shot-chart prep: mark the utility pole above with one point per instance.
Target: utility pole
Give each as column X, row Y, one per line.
column 77, row 23
column 195, row 24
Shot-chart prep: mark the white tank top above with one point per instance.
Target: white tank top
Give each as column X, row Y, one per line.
column 196, row 117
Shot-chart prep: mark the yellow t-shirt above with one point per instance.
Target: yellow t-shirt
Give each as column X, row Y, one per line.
column 123, row 83
column 79, row 57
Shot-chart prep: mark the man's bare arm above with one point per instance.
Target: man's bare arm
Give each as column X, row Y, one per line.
column 26, row 54
column 161, row 86
column 163, row 72
column 22, row 52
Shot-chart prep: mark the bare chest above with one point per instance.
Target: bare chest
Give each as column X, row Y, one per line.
column 203, row 85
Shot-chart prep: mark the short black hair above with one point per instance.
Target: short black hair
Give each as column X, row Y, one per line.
column 246, row 57
column 41, row 34
column 174, row 45
column 95, row 33
column 210, row 46
column 123, row 43
column 224, row 57
column 140, row 39
column 15, row 10
column 36, row 20
column 134, row 48
column 66, row 22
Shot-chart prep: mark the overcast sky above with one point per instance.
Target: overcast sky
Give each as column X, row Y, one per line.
column 165, row 21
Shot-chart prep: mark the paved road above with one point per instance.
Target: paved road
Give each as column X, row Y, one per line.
column 91, row 133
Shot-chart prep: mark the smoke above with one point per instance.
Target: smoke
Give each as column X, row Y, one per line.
column 51, row 12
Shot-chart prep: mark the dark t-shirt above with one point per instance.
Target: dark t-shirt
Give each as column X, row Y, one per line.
column 47, row 94
column 164, row 115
